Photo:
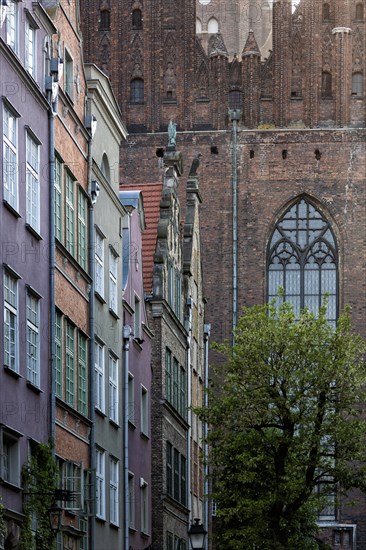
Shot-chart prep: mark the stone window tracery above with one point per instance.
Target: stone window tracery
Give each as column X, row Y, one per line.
column 303, row 260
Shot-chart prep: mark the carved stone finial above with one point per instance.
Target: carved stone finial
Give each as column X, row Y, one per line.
column 172, row 135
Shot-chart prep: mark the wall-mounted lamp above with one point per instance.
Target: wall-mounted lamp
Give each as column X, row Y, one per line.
column 197, row 534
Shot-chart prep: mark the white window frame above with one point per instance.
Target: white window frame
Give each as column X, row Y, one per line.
column 100, row 484
column 144, row 411
column 113, row 388
column 113, row 277
column 9, row 456
column 33, row 339
column 32, row 182
column 70, row 389
column 137, row 317
column 12, row 38
column 30, row 48
column 10, row 157
column 99, row 376
column 113, row 491
column 73, row 481
column 99, row 263
column 11, row 322
column 144, row 499
column 58, row 354
column 69, row 75
column 70, row 212
column 131, row 501
column 58, row 198
column 83, row 374
column 131, row 398
column 82, row 230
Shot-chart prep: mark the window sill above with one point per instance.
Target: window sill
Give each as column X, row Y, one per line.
column 132, row 529
column 114, row 424
column 357, row 97
column 131, row 425
column 11, row 209
column 145, row 436
column 101, row 520
column 12, row 372
column 137, row 103
column 101, row 413
column 168, row 101
column 113, row 525
column 114, row 314
column 34, row 388
column 34, row 232
column 100, row 297
column 10, row 485
column 145, row 535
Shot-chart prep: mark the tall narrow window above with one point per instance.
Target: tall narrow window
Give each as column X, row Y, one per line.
column 99, row 377
column 82, row 230
column 137, row 318
column 131, row 500
column 12, row 25
column 326, row 12
column 33, row 348
column 58, row 199
column 169, row 469
column 176, row 384
column 10, row 158
column 11, row 343
column 326, row 85
column 30, row 48
column 357, row 84
column 144, row 411
column 105, row 20
column 183, row 480
column 137, row 90
column 32, row 183
column 182, row 392
column 69, row 75
column 58, row 354
column 303, row 259
column 359, row 12
column 137, row 19
column 100, row 484
column 176, row 474
column 82, row 374
column 70, row 364
column 113, row 275
column 168, row 375
column 213, row 26
column 131, row 399
column 99, row 263
column 10, row 456
column 144, row 507
column 70, row 213
column 113, row 492
column 113, row 388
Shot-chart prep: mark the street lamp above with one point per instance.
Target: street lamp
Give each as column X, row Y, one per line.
column 55, row 513
column 197, row 534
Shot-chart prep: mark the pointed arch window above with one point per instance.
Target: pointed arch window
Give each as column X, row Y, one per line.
column 213, row 26
column 303, row 260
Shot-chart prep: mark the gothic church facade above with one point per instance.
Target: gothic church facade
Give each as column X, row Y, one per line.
column 281, row 128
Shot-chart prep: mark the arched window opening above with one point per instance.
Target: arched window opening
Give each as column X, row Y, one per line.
column 326, row 12
column 326, row 85
column 137, row 20
column 104, row 168
column 213, row 26
column 359, row 12
column 303, row 260
column 137, row 90
column 198, row 26
column 105, row 20
column 235, row 99
column 357, row 84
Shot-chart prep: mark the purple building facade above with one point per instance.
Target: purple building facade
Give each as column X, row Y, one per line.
column 138, row 377
column 25, row 38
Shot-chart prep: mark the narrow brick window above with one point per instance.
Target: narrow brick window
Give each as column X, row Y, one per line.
column 357, row 84
column 326, row 12
column 105, row 20
column 137, row 20
column 326, row 85
column 137, row 90
column 235, row 99
column 359, row 12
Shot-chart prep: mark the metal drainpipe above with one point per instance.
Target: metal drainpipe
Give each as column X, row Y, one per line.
column 206, row 336
column 189, row 405
column 52, row 114
column 234, row 117
column 126, row 350
column 92, row 457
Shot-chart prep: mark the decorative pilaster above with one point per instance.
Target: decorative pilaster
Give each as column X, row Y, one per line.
column 251, row 67
column 218, row 80
column 282, row 18
column 342, row 45
column 312, row 88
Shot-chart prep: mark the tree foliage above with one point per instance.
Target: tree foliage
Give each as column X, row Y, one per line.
column 40, row 477
column 286, row 426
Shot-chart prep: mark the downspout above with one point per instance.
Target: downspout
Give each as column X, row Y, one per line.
column 126, row 350
column 189, row 406
column 206, row 336
column 92, row 457
column 51, row 119
column 234, row 117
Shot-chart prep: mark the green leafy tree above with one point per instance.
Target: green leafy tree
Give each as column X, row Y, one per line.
column 40, row 478
column 286, row 429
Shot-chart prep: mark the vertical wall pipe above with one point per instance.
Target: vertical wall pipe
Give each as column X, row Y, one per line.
column 91, row 263
column 126, row 351
column 234, row 117
column 189, row 405
column 206, row 336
